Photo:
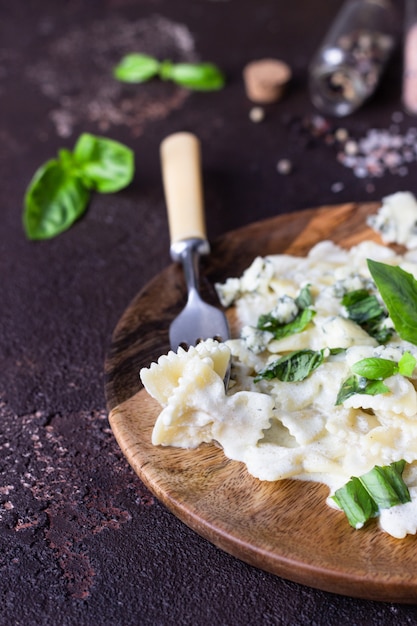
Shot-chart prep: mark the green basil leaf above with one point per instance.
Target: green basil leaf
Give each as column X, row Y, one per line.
column 54, row 199
column 304, row 298
column 363, row 497
column 356, row 503
column 270, row 323
column 197, row 76
column 292, row 367
column 362, row 307
column 374, row 368
column 352, row 298
column 386, row 486
column 398, row 289
column 355, row 384
column 407, row 364
column 104, row 165
column 365, row 310
column 136, row 68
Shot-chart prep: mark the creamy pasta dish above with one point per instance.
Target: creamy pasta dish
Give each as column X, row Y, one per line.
column 323, row 376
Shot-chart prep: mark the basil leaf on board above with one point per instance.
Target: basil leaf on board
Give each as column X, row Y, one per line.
column 270, row 323
column 197, row 76
column 292, row 367
column 356, row 384
column 54, row 200
column 136, row 68
column 381, row 488
column 398, row 289
column 374, row 368
column 386, row 486
column 105, row 165
column 355, row 502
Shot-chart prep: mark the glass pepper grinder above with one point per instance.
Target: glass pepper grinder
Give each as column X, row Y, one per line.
column 410, row 58
column 348, row 65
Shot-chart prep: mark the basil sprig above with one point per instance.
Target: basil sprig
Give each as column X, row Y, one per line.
column 60, row 190
column 363, row 497
column 374, row 368
column 398, row 289
column 139, row 68
column 364, row 309
column 369, row 373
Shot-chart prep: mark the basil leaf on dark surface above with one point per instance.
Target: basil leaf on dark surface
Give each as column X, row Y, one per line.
column 292, row 367
column 136, row 68
column 54, row 200
column 104, row 164
column 398, row 289
column 196, row 76
column 59, row 191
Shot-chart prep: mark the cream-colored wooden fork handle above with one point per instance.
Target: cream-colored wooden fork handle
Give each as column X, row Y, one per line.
column 182, row 179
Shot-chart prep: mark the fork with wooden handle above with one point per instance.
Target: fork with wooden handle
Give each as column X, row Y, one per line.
column 182, row 180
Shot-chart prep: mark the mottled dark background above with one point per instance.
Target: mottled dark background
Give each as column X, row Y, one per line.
column 82, row 541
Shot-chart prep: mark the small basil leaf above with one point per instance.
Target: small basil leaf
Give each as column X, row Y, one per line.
column 104, row 165
column 53, row 201
column 356, row 503
column 374, row 368
column 292, row 367
column 398, row 289
column 136, row 68
column 197, row 76
column 407, row 364
column 362, row 307
column 304, row 298
column 355, row 384
column 365, row 310
column 351, row 298
column 66, row 159
column 270, row 323
column 381, row 488
column 386, row 486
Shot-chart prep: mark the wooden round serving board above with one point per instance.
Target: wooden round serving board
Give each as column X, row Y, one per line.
column 284, row 527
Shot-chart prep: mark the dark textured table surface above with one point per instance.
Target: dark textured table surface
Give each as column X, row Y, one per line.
column 82, row 541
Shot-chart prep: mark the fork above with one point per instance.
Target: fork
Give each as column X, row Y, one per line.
column 182, row 181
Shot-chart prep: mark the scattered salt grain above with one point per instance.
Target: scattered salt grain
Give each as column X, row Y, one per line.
column 351, row 147
column 397, row 117
column 284, row 166
column 257, row 114
column 337, row 187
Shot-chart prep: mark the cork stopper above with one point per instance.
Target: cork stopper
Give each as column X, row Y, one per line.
column 266, row 80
